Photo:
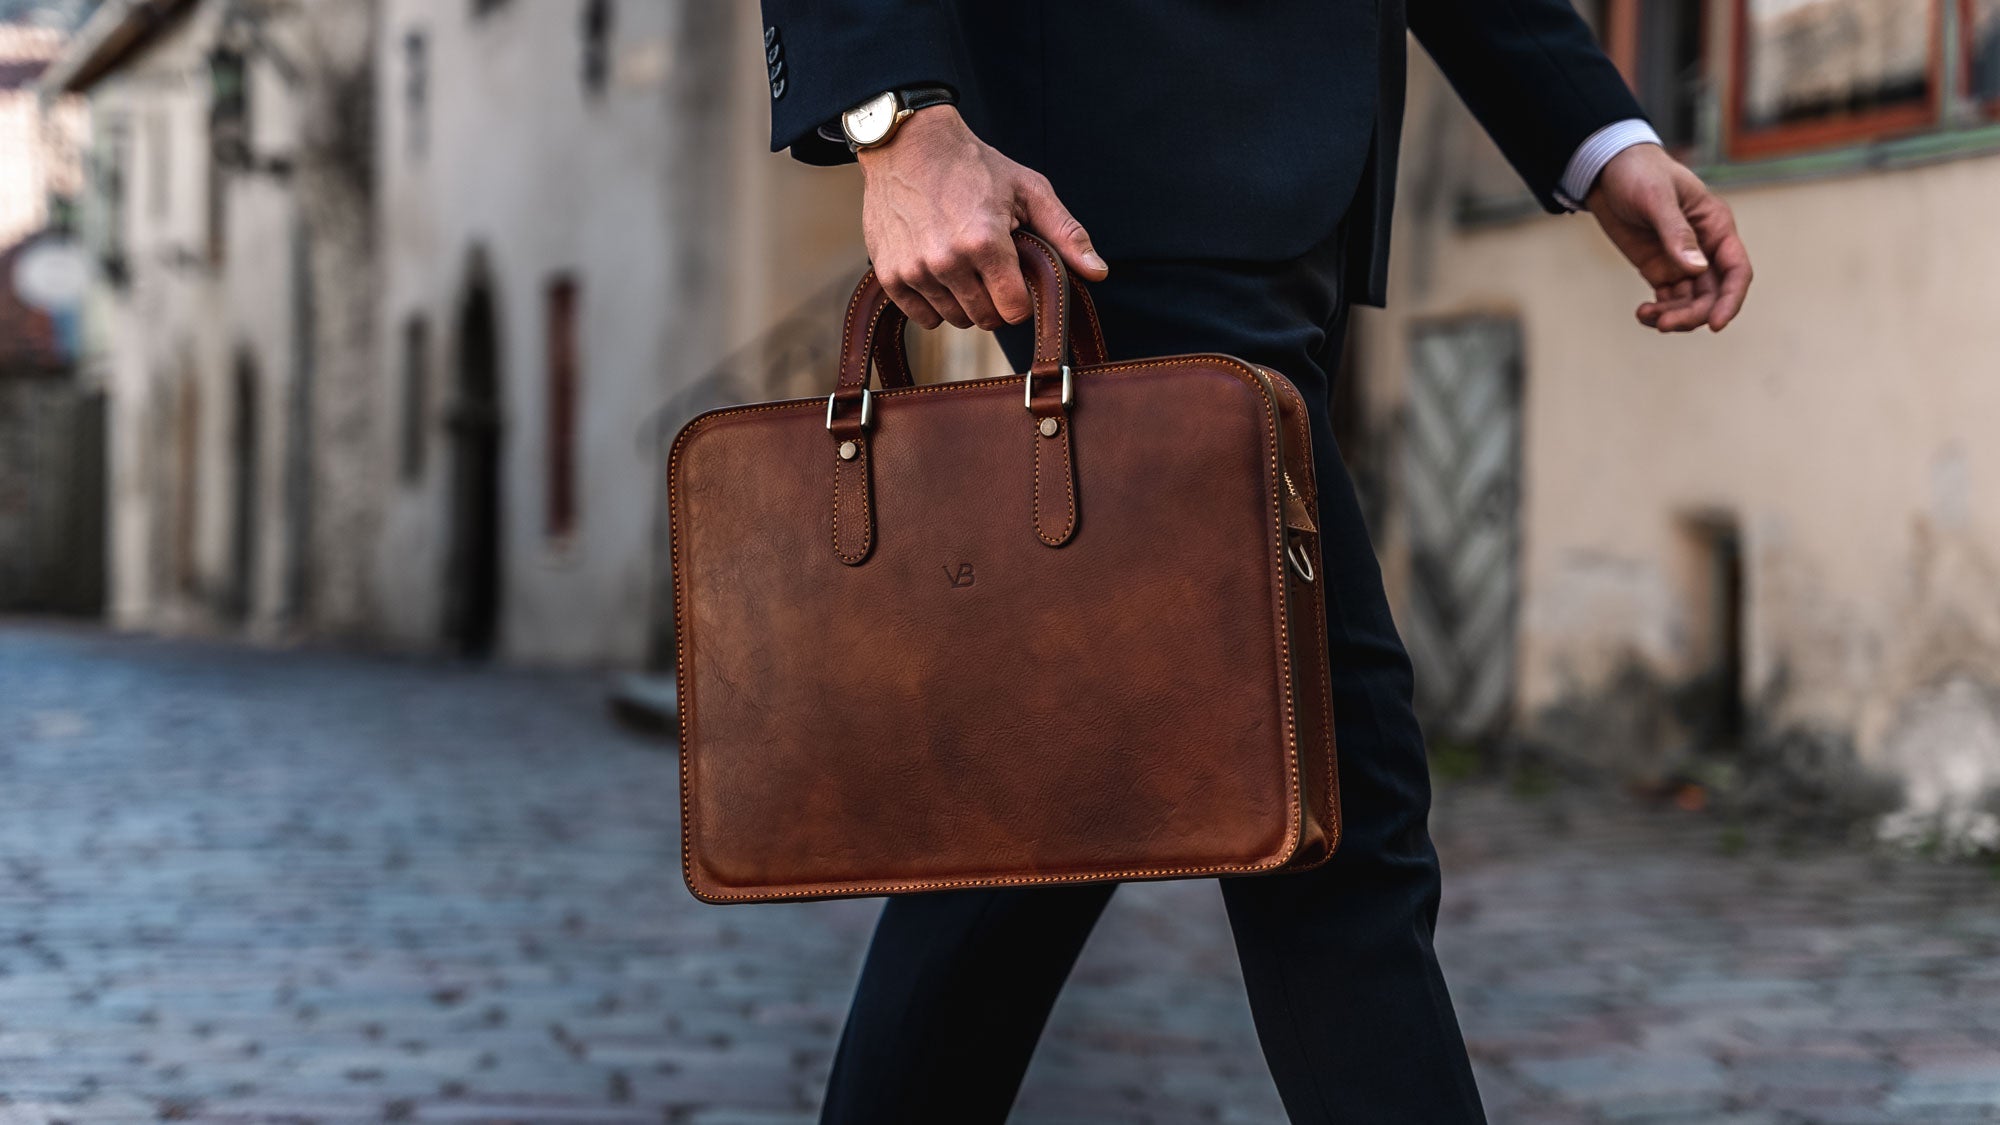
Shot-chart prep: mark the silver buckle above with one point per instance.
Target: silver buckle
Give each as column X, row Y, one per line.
column 1068, row 391
column 867, row 408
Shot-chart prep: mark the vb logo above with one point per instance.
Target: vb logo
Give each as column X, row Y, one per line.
column 960, row 577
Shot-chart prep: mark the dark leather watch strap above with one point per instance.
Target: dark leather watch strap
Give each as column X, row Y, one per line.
column 924, row 97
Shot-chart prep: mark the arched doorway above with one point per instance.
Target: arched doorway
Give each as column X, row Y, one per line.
column 239, row 596
column 472, row 579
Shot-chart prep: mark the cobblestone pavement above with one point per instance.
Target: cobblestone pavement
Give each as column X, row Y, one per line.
column 241, row 885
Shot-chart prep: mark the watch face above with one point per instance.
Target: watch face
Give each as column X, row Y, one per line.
column 869, row 122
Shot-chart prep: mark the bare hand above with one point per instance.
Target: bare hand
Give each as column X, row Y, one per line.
column 1680, row 235
column 938, row 211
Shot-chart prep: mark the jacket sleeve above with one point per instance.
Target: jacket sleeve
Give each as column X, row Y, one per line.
column 825, row 56
column 1532, row 73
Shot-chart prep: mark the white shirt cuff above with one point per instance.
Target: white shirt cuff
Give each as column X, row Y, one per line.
column 1594, row 153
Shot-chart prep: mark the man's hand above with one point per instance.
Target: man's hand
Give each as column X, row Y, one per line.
column 1680, row 235
column 938, row 212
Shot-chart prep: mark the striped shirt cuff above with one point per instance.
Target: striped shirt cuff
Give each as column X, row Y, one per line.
column 1594, row 153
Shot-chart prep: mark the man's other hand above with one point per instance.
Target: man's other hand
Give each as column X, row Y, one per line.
column 1679, row 234
column 938, row 211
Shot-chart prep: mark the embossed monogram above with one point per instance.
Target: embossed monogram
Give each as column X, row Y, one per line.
column 960, row 577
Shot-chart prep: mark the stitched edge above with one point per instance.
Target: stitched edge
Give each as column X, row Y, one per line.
column 1311, row 495
column 863, row 481
column 1061, row 303
column 1069, row 486
column 1290, row 390
column 1082, row 298
column 860, row 443
column 859, row 464
column 1062, row 306
column 845, row 890
column 868, row 341
column 684, row 644
column 847, row 328
column 894, row 348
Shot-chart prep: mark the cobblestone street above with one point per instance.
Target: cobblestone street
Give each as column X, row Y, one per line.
column 246, row 885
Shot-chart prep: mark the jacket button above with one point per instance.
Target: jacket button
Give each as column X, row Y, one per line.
column 774, row 61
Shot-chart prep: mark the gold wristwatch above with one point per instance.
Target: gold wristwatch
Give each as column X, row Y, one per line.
column 874, row 121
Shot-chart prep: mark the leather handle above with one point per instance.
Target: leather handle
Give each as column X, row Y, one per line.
column 873, row 334
column 874, row 328
column 892, row 354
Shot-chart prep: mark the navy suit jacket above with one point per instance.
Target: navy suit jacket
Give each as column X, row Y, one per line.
column 1206, row 129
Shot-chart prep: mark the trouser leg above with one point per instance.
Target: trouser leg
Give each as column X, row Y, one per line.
column 1349, row 1001
column 1344, row 985
column 952, row 999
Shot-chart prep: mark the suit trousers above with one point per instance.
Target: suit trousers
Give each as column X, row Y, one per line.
column 1345, row 990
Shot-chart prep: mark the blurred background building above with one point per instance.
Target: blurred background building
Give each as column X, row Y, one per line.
column 401, row 300
column 1781, row 542
column 229, row 211
column 397, row 303
column 51, row 415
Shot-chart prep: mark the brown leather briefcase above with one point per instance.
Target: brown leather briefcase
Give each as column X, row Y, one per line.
column 1050, row 628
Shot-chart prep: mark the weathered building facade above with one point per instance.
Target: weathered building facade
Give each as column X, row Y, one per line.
column 584, row 242
column 40, row 140
column 227, row 209
column 1785, row 537
column 399, row 304
column 51, row 414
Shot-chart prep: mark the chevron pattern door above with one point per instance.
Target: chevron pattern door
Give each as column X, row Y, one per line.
column 1460, row 458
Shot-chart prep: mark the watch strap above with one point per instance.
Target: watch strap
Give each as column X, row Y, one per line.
column 924, row 97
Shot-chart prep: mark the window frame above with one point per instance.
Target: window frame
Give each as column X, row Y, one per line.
column 415, row 99
column 1741, row 143
column 1623, row 43
column 563, row 407
column 414, row 391
column 1987, row 108
column 599, row 24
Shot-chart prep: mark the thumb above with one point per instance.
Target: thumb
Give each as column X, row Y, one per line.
column 1677, row 238
column 1044, row 214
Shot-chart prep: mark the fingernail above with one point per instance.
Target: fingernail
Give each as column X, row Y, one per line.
column 1697, row 259
column 1091, row 259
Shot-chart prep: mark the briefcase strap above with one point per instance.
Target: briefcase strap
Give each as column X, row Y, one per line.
column 873, row 333
column 890, row 353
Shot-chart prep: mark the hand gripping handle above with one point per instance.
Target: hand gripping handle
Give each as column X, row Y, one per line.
column 1066, row 326
column 873, row 334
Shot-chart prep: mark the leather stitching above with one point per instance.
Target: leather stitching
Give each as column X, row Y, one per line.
column 1069, row 487
column 859, row 465
column 868, row 338
column 846, row 470
column 684, row 646
column 847, row 328
column 1055, row 268
column 1088, row 311
column 1309, row 494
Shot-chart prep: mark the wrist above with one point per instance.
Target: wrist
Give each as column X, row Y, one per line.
column 926, row 129
column 1622, row 164
column 1596, row 152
